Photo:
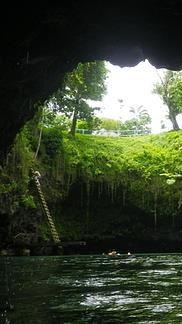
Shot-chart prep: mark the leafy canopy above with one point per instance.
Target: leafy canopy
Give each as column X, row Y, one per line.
column 170, row 90
column 85, row 82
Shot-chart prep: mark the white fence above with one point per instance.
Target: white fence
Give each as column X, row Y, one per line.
column 114, row 133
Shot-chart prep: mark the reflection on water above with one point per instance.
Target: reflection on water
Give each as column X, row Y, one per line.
column 91, row 289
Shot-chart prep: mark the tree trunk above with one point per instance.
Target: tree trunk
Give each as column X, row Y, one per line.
column 74, row 121
column 38, row 145
column 173, row 120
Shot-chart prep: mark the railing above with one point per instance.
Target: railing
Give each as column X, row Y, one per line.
column 104, row 132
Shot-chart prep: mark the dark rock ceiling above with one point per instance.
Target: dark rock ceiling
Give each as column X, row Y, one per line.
column 40, row 42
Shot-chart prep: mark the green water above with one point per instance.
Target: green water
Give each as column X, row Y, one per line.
column 91, row 289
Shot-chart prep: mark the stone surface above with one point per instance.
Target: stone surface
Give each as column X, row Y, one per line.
column 39, row 43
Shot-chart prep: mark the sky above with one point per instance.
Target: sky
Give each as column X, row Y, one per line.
column 134, row 86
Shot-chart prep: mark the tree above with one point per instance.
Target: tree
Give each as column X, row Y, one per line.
column 90, row 124
column 87, row 81
column 110, row 124
column 141, row 118
column 139, row 122
column 170, row 90
column 139, row 112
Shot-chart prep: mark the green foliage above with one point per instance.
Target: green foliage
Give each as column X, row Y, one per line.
column 14, row 177
column 110, row 124
column 141, row 120
column 115, row 155
column 87, row 81
column 51, row 141
column 89, row 124
column 132, row 163
column 170, row 90
column 28, row 201
column 62, row 121
column 44, row 231
column 136, row 170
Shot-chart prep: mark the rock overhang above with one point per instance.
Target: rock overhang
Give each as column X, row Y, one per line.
column 41, row 42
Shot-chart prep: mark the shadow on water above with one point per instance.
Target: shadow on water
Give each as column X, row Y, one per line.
column 91, row 289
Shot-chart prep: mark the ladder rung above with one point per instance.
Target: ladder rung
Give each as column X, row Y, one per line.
column 54, row 232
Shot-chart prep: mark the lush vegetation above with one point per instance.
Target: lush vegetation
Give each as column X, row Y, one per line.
column 86, row 82
column 95, row 186
column 136, row 169
column 170, row 90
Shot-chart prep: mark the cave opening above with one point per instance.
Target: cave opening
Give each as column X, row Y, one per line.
column 40, row 45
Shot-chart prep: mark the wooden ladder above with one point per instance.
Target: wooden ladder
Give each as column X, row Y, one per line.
column 55, row 236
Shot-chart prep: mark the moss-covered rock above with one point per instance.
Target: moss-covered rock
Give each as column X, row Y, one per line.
column 98, row 189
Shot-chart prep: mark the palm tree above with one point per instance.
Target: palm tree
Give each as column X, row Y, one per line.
column 141, row 117
column 139, row 112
